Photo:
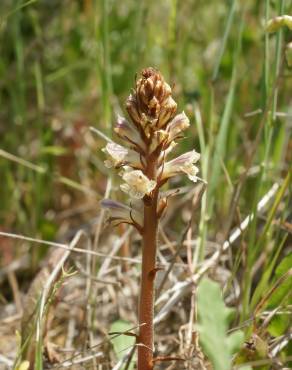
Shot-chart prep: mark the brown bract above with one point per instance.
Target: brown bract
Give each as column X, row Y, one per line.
column 151, row 106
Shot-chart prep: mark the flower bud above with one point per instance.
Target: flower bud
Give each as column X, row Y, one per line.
column 167, row 112
column 133, row 110
column 152, row 99
column 162, row 204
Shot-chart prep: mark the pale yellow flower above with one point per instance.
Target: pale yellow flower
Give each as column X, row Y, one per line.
column 276, row 23
column 177, row 125
column 182, row 164
column 137, row 185
column 119, row 156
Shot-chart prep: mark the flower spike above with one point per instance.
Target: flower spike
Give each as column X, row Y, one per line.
column 148, row 139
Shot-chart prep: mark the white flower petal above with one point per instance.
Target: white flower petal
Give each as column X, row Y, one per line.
column 276, row 23
column 177, row 125
column 120, row 156
column 137, row 185
column 191, row 171
column 117, row 154
column 182, row 164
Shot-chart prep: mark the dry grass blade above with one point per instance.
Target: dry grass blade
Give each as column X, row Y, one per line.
column 21, row 161
column 66, row 247
column 36, row 305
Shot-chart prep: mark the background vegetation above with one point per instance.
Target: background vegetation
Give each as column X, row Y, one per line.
column 68, row 65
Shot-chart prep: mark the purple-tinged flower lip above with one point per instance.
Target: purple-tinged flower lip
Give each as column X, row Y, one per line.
column 121, row 213
column 121, row 121
column 129, row 132
column 179, row 123
column 182, row 164
column 112, row 204
column 118, row 156
column 189, row 157
column 116, row 148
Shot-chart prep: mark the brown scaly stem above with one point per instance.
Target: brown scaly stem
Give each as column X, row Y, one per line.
column 145, row 349
column 146, row 302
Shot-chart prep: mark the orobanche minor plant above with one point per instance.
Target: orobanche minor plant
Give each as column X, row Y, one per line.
column 149, row 139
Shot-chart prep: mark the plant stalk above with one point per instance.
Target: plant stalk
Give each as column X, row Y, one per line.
column 146, row 303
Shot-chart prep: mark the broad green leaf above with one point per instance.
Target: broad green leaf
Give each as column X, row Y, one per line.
column 122, row 342
column 214, row 317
